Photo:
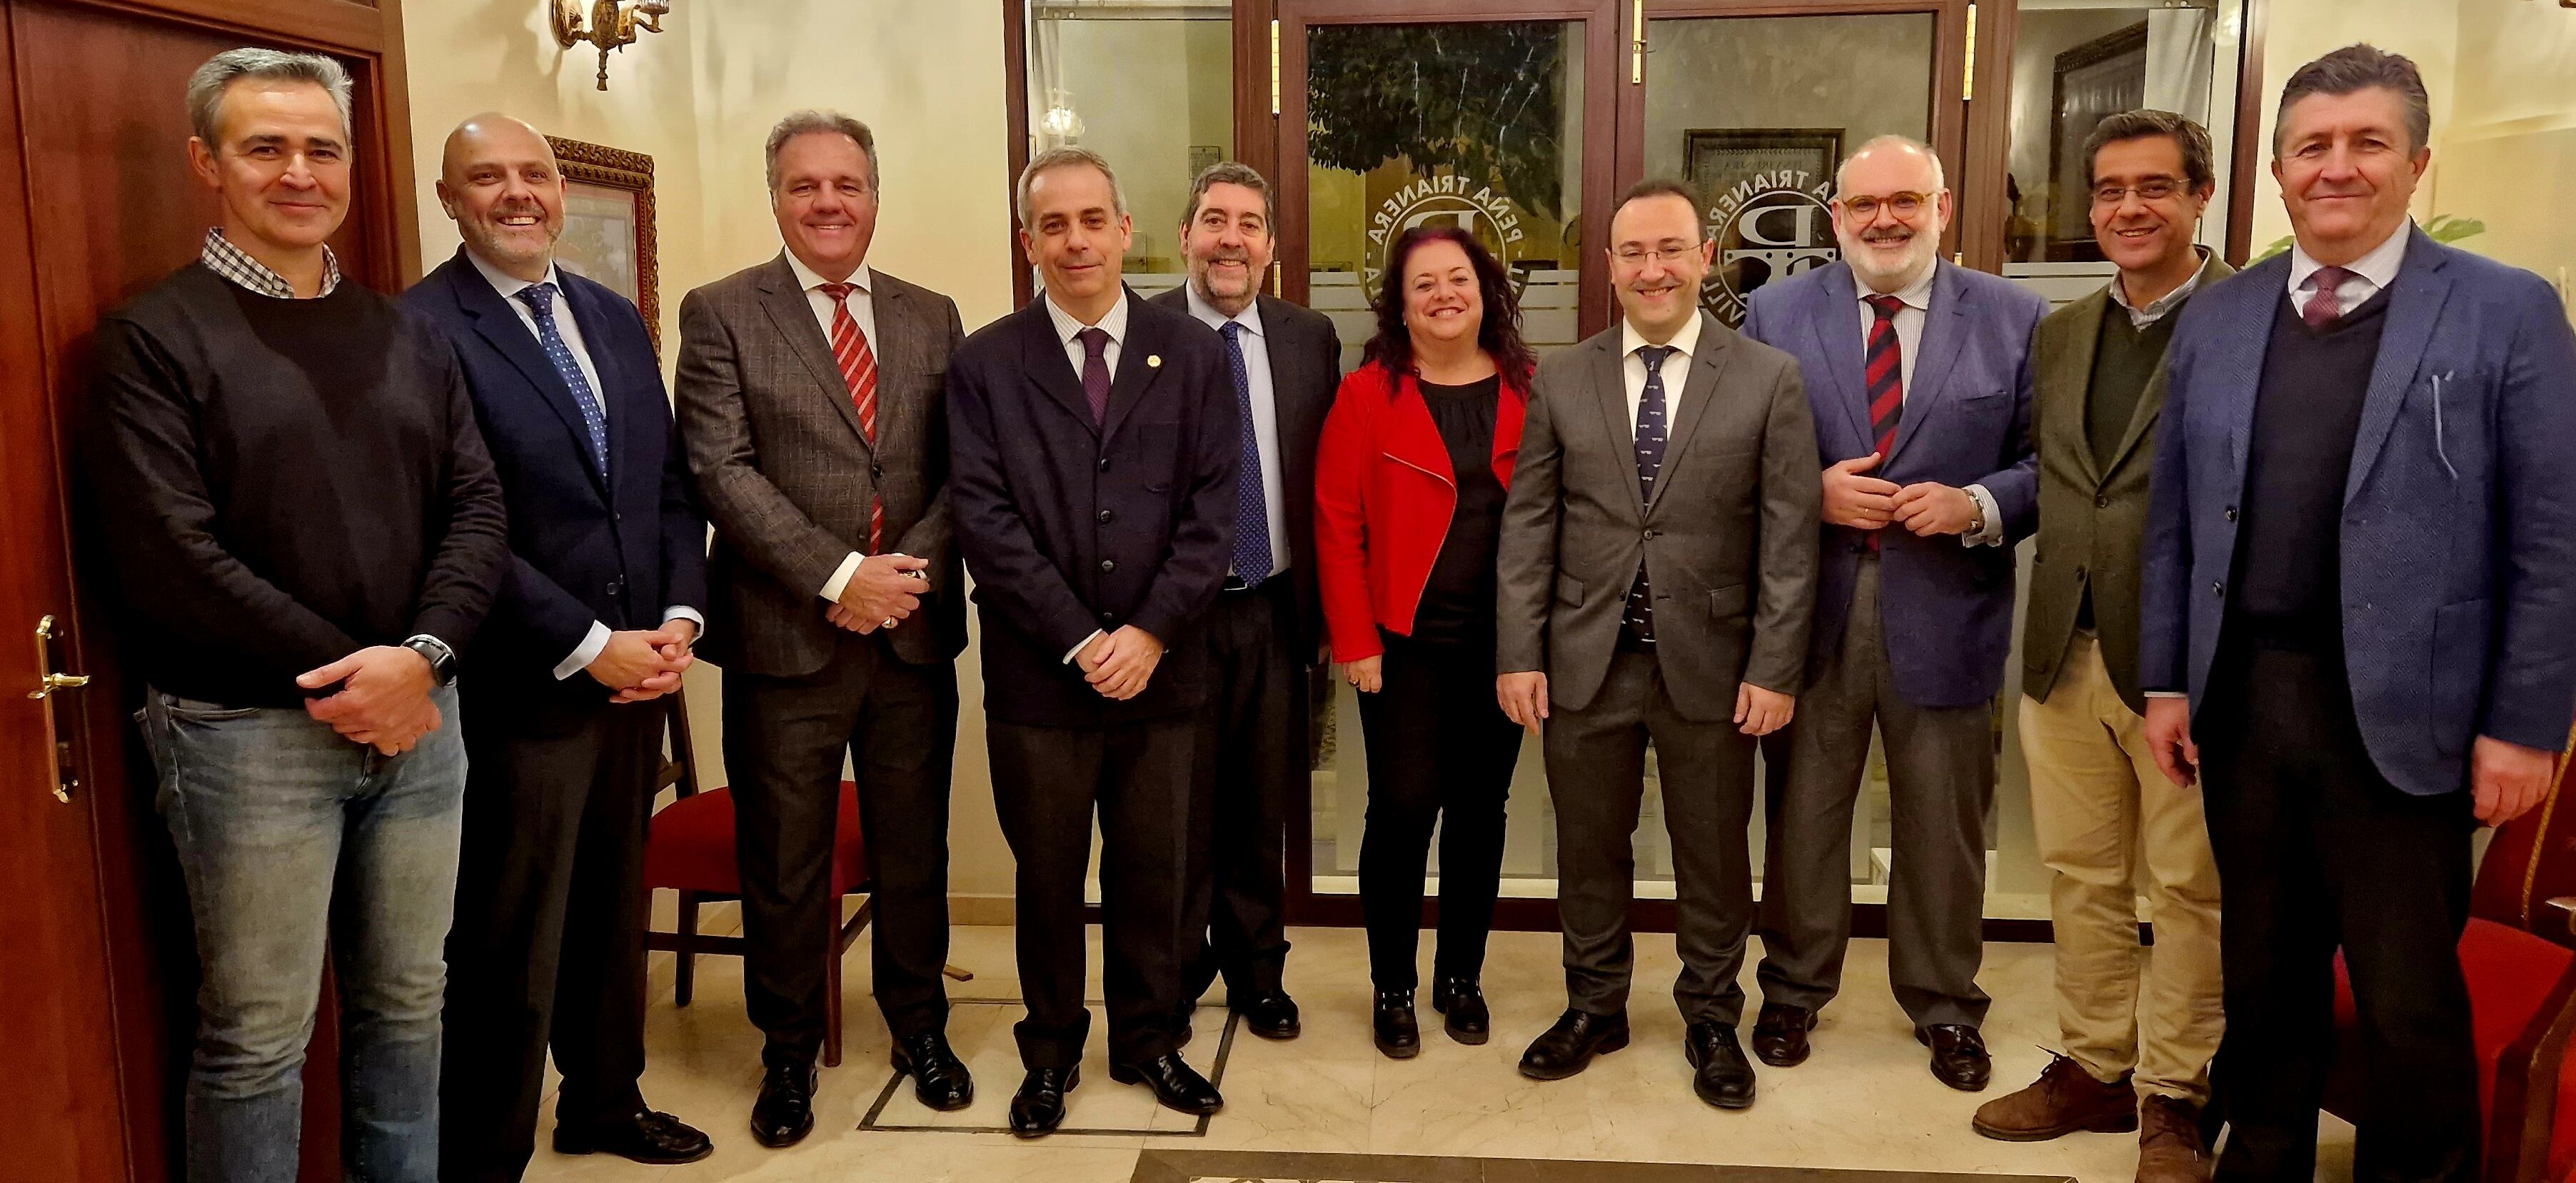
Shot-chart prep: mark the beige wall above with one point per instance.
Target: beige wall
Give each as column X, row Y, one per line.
column 699, row 98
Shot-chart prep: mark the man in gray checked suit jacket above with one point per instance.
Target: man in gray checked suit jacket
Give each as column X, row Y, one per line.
column 810, row 402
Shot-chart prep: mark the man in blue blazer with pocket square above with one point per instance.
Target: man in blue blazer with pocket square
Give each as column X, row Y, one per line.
column 1919, row 375
column 603, row 597
column 2359, row 629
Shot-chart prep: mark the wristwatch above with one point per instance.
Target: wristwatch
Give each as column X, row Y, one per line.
column 442, row 660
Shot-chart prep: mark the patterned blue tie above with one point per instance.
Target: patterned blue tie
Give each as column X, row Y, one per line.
column 1251, row 513
column 1650, row 462
column 540, row 298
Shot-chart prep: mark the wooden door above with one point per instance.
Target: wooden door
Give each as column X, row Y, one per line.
column 96, row 204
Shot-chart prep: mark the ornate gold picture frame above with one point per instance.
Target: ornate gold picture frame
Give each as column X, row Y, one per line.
column 608, row 223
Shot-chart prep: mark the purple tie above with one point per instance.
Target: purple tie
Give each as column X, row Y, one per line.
column 1095, row 371
column 2325, row 306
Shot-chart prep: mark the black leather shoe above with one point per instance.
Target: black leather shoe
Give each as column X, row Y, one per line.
column 1038, row 1108
column 1958, row 1056
column 1780, row 1034
column 1720, row 1073
column 1177, row 1085
column 1271, row 1016
column 1468, row 1021
column 784, row 1114
column 939, row 1078
column 1397, row 1036
column 1568, row 1047
column 656, row 1139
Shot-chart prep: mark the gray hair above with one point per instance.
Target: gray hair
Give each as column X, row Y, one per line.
column 2355, row 68
column 206, row 87
column 1230, row 172
column 2147, row 123
column 808, row 122
column 1064, row 157
column 1940, row 176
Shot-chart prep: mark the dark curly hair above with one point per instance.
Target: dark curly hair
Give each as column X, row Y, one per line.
column 1500, row 334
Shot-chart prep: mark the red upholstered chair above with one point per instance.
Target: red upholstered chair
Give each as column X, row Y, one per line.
column 2519, row 954
column 690, row 850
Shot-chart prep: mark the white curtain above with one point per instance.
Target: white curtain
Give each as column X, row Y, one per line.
column 2179, row 58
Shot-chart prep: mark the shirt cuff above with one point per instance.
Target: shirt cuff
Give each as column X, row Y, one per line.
column 1076, row 651
column 2166, row 694
column 1993, row 534
column 684, row 612
column 585, row 653
column 840, row 580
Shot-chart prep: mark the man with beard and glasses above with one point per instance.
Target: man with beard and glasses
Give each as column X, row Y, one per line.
column 1265, row 634
column 1919, row 374
column 605, row 593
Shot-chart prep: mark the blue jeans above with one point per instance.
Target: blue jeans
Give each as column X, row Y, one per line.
column 289, row 836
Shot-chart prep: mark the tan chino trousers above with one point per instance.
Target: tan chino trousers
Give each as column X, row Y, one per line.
column 2099, row 806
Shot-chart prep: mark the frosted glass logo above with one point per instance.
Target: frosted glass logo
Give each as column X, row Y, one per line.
column 1770, row 226
column 1444, row 201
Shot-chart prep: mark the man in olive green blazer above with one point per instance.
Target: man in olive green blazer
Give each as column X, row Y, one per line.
column 2138, row 1037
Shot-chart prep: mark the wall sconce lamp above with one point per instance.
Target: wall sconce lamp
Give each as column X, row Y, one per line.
column 612, row 25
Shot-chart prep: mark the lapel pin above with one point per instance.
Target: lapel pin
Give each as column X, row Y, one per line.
column 1153, row 361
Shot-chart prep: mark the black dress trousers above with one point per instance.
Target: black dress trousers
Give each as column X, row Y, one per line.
column 1252, row 755
column 1047, row 781
column 783, row 741
column 2316, row 851
column 547, row 949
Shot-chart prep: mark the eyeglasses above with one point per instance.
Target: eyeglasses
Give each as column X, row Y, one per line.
column 2151, row 189
column 1866, row 207
column 1635, row 256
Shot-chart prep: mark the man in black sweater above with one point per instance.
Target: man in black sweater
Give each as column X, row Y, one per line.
column 305, row 530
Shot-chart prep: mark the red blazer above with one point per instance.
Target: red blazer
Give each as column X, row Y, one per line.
column 1384, row 494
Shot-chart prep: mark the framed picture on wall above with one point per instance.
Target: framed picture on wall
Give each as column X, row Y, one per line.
column 1765, row 191
column 608, row 223
column 2092, row 81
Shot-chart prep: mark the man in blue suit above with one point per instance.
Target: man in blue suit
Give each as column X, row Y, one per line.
column 1919, row 375
column 603, row 597
column 2359, row 631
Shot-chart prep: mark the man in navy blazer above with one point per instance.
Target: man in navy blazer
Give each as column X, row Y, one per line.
column 2359, row 632
column 604, row 595
column 1094, row 443
column 1919, row 375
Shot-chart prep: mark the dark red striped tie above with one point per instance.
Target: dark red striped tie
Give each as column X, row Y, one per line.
column 858, row 368
column 1884, row 368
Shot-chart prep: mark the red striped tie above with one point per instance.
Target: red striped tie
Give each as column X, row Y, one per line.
column 1885, row 370
column 858, row 368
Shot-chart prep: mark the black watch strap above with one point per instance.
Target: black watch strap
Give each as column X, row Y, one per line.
column 442, row 660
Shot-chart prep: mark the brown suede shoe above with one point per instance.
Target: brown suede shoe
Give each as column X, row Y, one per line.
column 2063, row 1100
column 2169, row 1149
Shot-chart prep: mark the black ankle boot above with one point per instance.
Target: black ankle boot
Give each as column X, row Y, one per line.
column 1397, row 1035
column 1460, row 999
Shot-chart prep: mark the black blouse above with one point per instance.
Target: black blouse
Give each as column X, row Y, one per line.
column 1458, row 602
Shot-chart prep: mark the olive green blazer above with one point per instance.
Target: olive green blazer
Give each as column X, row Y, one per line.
column 2092, row 517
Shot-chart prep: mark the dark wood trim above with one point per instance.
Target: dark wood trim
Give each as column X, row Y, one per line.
column 1605, row 76
column 322, row 24
column 2250, row 152
column 1015, row 104
column 1984, row 202
column 2524, row 1114
column 397, row 178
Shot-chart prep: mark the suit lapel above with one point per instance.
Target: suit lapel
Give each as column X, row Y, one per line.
column 901, row 336
column 2235, row 355
column 1608, row 370
column 1835, row 320
column 1043, row 359
column 1707, row 363
column 500, row 326
column 1944, row 327
column 1140, row 361
column 793, row 316
column 2066, row 387
column 586, row 312
column 2151, row 404
column 2414, row 306
column 1289, row 382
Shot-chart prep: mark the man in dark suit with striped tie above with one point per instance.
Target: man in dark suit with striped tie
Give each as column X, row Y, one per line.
column 605, row 592
column 809, row 396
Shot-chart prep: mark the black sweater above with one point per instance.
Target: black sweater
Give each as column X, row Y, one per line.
column 2307, row 414
column 1458, row 600
column 279, row 483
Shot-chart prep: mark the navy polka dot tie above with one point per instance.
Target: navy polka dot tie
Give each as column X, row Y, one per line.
column 540, row 298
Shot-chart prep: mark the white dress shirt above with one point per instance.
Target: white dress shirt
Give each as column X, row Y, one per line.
column 1068, row 330
column 2162, row 306
column 1265, row 413
column 1916, row 298
column 2370, row 274
column 567, row 326
column 1676, row 368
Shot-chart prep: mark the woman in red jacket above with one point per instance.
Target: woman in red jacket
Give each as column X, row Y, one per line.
column 1409, row 486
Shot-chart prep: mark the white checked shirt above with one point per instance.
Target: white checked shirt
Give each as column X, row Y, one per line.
column 223, row 258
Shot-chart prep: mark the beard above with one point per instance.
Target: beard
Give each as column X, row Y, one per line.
column 1922, row 251
column 1207, row 280
column 491, row 242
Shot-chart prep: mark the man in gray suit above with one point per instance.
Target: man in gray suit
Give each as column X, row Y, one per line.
column 1658, row 559
column 810, row 401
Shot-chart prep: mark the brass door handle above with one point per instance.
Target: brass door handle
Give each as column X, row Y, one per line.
column 54, row 682
column 51, row 681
